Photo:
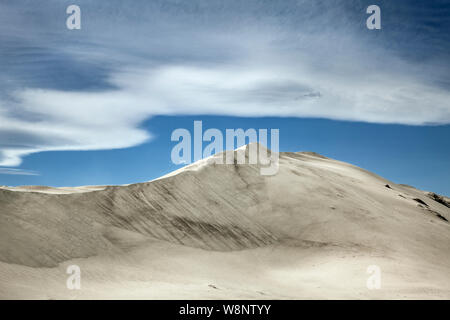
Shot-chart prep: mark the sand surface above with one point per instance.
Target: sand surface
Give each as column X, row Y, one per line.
column 226, row 232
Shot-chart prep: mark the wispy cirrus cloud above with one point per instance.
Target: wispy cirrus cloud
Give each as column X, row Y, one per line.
column 22, row 172
column 92, row 90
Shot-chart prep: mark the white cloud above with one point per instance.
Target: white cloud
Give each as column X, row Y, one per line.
column 60, row 120
column 56, row 121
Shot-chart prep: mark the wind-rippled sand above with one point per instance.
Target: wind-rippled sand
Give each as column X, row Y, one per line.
column 213, row 231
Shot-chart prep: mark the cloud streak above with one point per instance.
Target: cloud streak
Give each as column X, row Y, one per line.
column 13, row 171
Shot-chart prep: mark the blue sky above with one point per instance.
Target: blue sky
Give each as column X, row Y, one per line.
column 98, row 105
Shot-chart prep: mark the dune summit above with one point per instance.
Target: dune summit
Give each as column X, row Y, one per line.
column 225, row 231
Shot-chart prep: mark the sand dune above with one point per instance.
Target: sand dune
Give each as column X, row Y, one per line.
column 51, row 190
column 225, row 231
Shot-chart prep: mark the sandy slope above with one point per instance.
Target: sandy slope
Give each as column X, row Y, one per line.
column 225, row 231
